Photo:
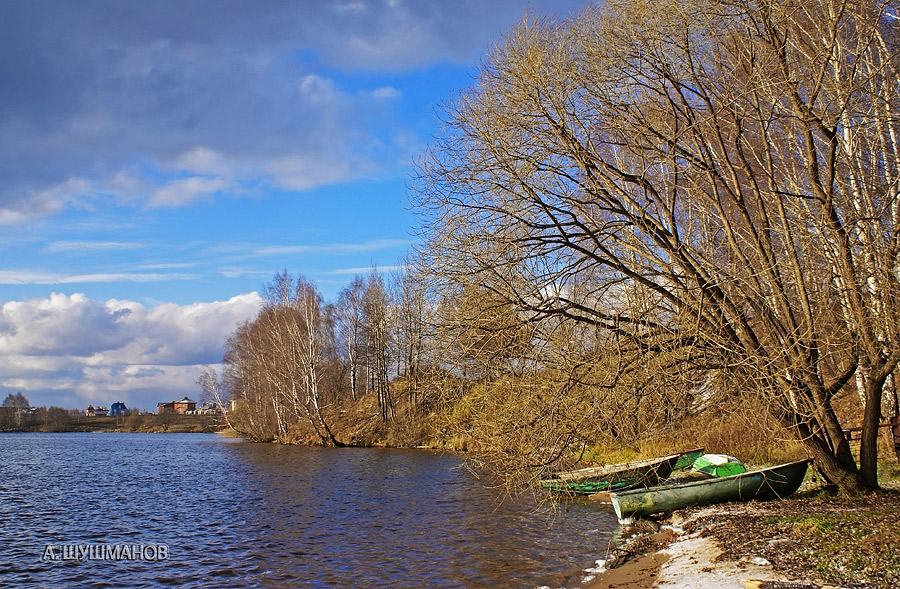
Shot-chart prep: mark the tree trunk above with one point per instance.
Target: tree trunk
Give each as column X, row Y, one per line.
column 868, row 446
column 837, row 472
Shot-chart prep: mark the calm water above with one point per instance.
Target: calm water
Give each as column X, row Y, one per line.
column 235, row 514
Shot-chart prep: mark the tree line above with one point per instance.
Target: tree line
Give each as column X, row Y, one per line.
column 633, row 215
column 300, row 356
column 17, row 414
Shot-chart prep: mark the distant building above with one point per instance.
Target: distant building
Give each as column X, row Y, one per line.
column 184, row 405
column 209, row 408
column 117, row 409
column 98, row 411
column 181, row 406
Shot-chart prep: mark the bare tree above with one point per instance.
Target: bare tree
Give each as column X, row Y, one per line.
column 213, row 389
column 350, row 326
column 376, row 307
column 314, row 347
column 410, row 296
column 735, row 165
column 482, row 333
column 275, row 364
column 259, row 414
column 12, row 410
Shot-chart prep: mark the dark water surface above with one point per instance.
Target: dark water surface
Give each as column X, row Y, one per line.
column 234, row 514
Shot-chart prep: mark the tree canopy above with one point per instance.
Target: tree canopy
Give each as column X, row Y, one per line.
column 17, row 401
column 713, row 184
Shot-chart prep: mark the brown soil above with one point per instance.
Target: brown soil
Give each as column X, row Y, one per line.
column 804, row 538
column 638, row 573
column 852, row 543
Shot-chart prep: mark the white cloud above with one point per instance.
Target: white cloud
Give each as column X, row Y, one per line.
column 203, row 160
column 183, row 191
column 170, row 265
column 69, row 347
column 333, row 248
column 349, row 7
column 28, row 277
column 363, row 271
column 38, row 277
column 243, row 271
column 126, row 185
column 386, row 94
column 58, row 325
column 306, row 172
column 89, row 247
column 49, row 200
column 316, row 89
column 122, row 277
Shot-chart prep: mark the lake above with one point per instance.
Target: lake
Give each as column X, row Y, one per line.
column 202, row 510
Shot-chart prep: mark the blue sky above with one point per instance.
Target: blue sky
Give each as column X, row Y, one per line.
column 161, row 161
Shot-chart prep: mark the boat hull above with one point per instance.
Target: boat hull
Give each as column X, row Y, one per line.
column 763, row 485
column 587, row 481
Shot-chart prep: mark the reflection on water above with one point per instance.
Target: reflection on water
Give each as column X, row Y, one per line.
column 236, row 514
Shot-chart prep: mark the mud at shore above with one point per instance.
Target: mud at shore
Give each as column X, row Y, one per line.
column 734, row 545
column 677, row 559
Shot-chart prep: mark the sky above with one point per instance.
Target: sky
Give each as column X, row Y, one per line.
column 161, row 161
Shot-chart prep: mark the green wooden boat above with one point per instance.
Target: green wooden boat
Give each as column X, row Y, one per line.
column 718, row 465
column 595, row 479
column 686, row 459
column 763, row 485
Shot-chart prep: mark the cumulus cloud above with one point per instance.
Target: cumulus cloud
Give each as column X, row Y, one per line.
column 140, row 111
column 386, row 93
column 118, row 115
column 185, row 190
column 71, row 348
column 133, row 99
column 59, row 325
column 203, row 160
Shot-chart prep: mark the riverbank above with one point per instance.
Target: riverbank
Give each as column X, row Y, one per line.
column 805, row 542
column 677, row 559
column 135, row 423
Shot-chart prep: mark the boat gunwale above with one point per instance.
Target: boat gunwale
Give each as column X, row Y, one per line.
column 750, row 476
column 593, row 471
column 710, row 480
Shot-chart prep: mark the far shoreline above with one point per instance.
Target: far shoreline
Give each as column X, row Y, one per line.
column 133, row 423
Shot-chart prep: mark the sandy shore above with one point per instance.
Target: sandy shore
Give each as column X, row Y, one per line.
column 687, row 563
column 672, row 558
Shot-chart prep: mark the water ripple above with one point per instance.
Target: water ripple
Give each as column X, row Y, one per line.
column 235, row 514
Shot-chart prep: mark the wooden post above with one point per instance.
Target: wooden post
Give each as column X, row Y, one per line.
column 895, row 431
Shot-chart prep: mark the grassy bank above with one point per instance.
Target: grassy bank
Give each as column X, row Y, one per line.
column 144, row 423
